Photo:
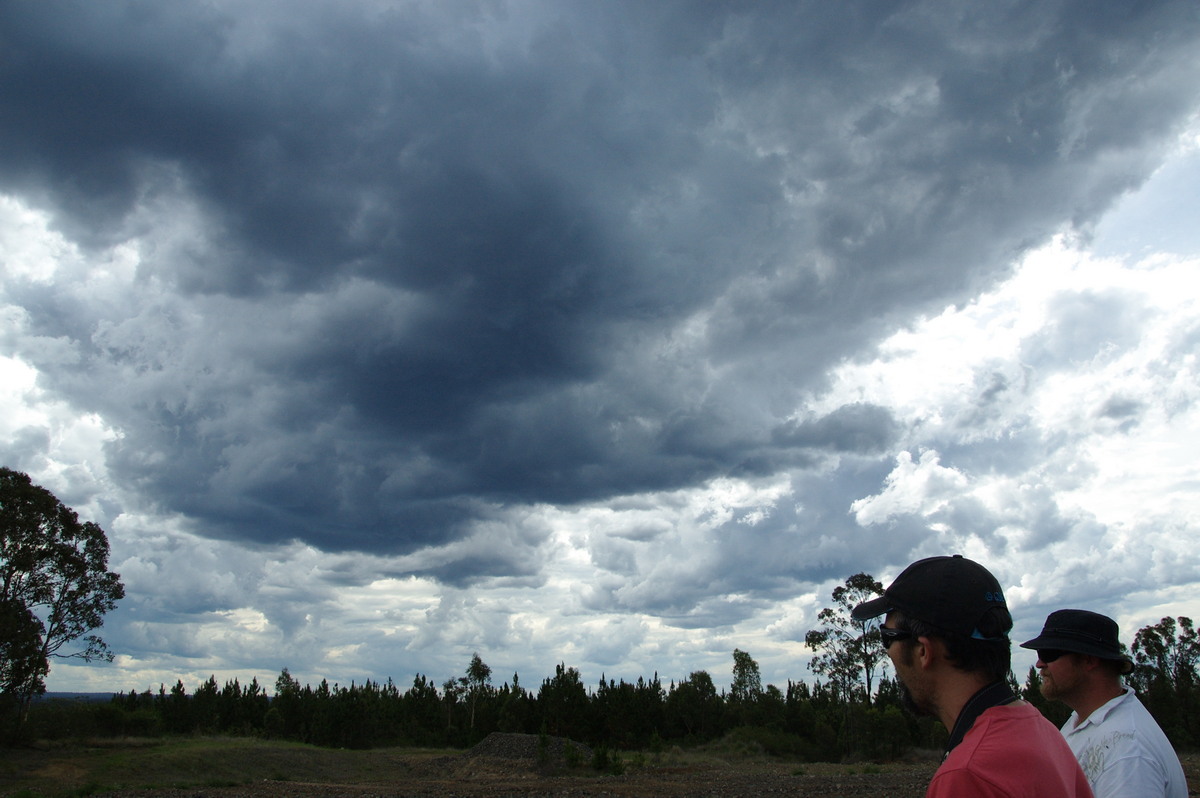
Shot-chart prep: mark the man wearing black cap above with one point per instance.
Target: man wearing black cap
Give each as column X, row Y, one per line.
column 946, row 633
column 1123, row 752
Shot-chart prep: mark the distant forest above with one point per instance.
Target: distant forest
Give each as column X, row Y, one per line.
column 848, row 713
column 802, row 722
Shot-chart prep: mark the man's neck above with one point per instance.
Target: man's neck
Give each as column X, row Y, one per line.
column 1095, row 698
column 990, row 695
column 956, row 696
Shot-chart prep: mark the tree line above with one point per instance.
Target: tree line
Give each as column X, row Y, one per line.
column 55, row 589
column 824, row 721
column 801, row 721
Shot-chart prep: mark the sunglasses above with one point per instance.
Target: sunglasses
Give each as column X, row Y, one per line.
column 1048, row 655
column 889, row 636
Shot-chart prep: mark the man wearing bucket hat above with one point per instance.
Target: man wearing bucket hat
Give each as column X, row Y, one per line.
column 946, row 631
column 1123, row 752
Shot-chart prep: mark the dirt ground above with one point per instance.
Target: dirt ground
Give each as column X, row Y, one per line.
column 482, row 777
column 456, row 777
column 474, row 776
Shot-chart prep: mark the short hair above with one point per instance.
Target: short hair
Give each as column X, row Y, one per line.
column 989, row 654
column 1113, row 667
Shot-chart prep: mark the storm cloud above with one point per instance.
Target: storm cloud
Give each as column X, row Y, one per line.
column 395, row 279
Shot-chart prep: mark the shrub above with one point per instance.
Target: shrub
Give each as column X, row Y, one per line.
column 572, row 756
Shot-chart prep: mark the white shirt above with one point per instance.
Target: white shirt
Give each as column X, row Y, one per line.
column 1124, row 753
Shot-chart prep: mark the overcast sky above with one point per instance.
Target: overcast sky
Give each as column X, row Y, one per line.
column 616, row 334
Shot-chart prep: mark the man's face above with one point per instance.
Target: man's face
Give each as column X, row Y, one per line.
column 1062, row 676
column 903, row 662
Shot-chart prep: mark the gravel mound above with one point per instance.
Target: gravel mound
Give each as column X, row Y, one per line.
column 529, row 747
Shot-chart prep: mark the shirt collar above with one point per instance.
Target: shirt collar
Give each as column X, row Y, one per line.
column 1099, row 713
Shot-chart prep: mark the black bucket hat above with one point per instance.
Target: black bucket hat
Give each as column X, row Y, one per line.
column 1081, row 632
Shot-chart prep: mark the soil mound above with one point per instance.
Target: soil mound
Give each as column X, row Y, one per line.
column 532, row 747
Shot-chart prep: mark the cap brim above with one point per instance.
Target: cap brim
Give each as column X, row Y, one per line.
column 871, row 609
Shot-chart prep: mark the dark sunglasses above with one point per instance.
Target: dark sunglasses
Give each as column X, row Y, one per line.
column 889, row 636
column 1048, row 655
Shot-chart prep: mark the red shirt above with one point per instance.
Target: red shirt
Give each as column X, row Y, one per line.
column 1010, row 752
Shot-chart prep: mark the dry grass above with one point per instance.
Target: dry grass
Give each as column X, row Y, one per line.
column 108, row 765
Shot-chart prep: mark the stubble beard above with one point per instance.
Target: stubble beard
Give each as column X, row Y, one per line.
column 1049, row 689
column 907, row 701
column 910, row 704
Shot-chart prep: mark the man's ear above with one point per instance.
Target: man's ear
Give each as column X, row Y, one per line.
column 926, row 650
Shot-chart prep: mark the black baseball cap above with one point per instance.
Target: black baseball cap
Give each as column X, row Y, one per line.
column 1081, row 632
column 951, row 593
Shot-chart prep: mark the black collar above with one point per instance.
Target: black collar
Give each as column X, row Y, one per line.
column 994, row 695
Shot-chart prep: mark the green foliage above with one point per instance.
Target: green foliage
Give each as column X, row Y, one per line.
column 628, row 715
column 758, row 741
column 1166, row 656
column 803, row 724
column 746, row 703
column 564, row 704
column 607, row 762
column 476, row 684
column 747, row 683
column 21, row 660
column 880, row 732
column 55, row 587
column 848, row 651
column 514, row 707
column 572, row 755
column 693, row 709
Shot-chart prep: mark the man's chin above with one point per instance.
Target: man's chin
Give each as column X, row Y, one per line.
column 910, row 705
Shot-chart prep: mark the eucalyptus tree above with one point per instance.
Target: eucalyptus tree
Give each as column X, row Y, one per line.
column 847, row 651
column 746, row 687
column 1166, row 673
column 694, row 707
column 55, row 587
column 477, row 683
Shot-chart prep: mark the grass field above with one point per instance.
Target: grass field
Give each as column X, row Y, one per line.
column 228, row 767
column 247, row 766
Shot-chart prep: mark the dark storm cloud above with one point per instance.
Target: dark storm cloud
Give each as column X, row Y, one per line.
column 417, row 263
column 864, row 428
